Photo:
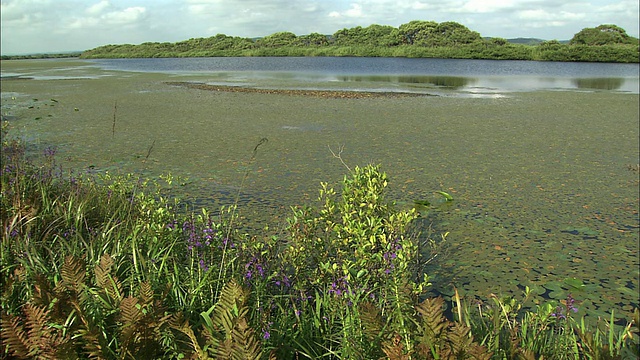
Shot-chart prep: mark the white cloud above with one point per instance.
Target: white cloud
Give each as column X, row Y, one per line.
column 59, row 25
column 487, row 6
column 98, row 8
column 127, row 16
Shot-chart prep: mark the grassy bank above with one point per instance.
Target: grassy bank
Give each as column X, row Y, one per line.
column 114, row 267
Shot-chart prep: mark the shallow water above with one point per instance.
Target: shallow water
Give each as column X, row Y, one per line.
column 542, row 188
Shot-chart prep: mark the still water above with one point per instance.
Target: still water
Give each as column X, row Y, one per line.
column 539, row 157
column 396, row 74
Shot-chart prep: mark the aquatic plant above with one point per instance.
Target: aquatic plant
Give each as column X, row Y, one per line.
column 112, row 266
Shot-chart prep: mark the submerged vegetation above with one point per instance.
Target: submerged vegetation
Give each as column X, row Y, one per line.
column 417, row 39
column 108, row 266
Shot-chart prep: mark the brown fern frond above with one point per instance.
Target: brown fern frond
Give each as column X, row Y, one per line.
column 183, row 327
column 433, row 320
column 459, row 339
column 130, row 315
column 103, row 270
column 14, row 337
column 72, row 273
column 39, row 333
column 43, row 293
column 106, row 281
column 130, row 312
column 372, row 321
column 35, row 338
column 245, row 345
column 526, row 354
column 394, row 349
column 91, row 344
column 146, row 294
column 224, row 350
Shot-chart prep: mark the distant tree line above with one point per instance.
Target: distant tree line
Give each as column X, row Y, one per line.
column 416, row 39
column 41, row 56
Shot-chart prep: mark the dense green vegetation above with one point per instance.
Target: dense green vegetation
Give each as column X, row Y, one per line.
column 420, row 39
column 41, row 56
column 111, row 267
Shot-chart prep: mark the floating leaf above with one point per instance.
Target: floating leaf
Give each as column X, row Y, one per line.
column 422, row 202
column 557, row 295
column 447, row 197
column 553, row 286
column 574, row 284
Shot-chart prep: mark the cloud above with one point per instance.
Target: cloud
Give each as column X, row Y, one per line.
column 486, row 6
column 98, row 8
column 129, row 15
column 59, row 25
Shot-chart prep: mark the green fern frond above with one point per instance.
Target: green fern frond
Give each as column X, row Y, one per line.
column 228, row 308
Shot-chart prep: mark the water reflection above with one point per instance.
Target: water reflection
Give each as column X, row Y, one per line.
column 599, row 83
column 450, row 82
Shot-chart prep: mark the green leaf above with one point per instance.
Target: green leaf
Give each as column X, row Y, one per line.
column 447, row 197
column 574, row 283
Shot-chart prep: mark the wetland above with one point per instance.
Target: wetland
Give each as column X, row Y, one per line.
column 543, row 181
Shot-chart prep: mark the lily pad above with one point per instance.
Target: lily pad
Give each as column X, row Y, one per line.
column 574, row 284
column 583, row 231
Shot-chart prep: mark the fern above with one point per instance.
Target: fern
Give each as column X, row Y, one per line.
column 229, row 307
column 459, row 339
column 442, row 339
column 106, row 282
column 433, row 320
column 14, row 337
column 34, row 338
column 395, row 349
column 246, row 346
column 371, row 321
column 73, row 274
column 185, row 329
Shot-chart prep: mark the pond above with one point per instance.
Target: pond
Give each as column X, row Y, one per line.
column 395, row 74
column 544, row 176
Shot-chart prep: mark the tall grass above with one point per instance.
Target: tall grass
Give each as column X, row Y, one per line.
column 111, row 266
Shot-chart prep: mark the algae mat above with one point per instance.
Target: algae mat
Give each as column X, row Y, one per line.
column 545, row 190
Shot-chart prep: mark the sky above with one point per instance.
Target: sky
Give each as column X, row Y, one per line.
column 42, row 26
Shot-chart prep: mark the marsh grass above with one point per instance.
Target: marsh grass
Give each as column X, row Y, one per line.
column 111, row 266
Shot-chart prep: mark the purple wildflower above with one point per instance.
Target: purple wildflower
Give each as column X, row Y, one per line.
column 50, row 151
column 203, row 265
